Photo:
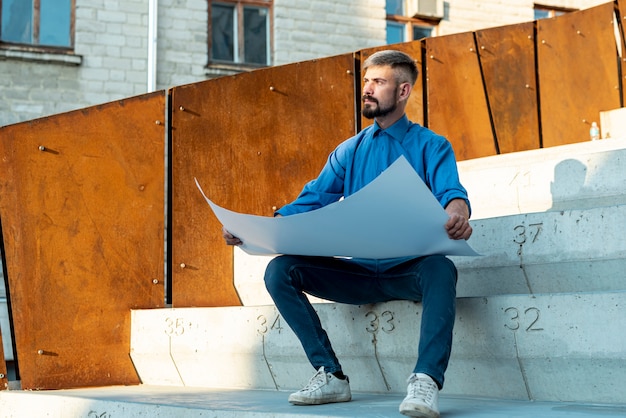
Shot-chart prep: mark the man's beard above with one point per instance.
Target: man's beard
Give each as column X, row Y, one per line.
column 372, row 112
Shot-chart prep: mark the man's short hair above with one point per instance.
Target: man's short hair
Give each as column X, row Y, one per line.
column 397, row 60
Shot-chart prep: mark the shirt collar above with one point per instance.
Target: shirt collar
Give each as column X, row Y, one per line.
column 397, row 131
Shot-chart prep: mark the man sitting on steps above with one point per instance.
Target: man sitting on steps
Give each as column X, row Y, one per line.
column 387, row 83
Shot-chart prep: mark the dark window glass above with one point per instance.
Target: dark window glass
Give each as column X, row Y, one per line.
column 545, row 12
column 395, row 32
column 50, row 25
column 17, row 20
column 255, row 35
column 223, row 32
column 420, row 32
column 54, row 23
column 541, row 14
column 395, row 7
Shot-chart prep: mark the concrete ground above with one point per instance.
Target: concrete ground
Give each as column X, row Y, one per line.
column 174, row 402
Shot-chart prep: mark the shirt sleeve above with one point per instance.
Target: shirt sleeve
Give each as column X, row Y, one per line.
column 327, row 188
column 442, row 176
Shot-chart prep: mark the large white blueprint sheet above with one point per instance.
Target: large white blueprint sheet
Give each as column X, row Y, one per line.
column 396, row 215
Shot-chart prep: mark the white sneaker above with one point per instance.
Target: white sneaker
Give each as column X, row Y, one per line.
column 422, row 399
column 322, row 388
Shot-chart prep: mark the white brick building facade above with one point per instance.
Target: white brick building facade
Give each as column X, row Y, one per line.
column 111, row 43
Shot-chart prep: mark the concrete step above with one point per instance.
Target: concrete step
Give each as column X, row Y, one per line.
column 171, row 402
column 545, row 252
column 574, row 176
column 551, row 347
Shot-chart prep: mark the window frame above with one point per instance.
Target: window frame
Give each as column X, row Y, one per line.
column 410, row 22
column 36, row 22
column 553, row 11
column 239, row 63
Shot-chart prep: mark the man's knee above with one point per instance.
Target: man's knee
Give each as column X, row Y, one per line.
column 277, row 271
column 439, row 267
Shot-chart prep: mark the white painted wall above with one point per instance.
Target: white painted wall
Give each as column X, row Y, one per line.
column 307, row 29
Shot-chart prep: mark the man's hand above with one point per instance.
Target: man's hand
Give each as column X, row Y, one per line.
column 458, row 226
column 230, row 238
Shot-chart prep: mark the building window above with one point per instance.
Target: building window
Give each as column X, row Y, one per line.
column 545, row 12
column 412, row 20
column 37, row 23
column 422, row 31
column 240, row 32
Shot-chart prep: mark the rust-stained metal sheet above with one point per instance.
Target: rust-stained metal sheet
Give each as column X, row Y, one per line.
column 415, row 106
column 456, row 101
column 507, row 56
column 82, row 209
column 578, row 73
column 621, row 34
column 252, row 141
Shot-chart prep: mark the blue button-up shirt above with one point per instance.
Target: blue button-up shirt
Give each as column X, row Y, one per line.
column 360, row 159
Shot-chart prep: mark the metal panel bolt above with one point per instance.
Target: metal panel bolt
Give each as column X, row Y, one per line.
column 42, row 148
column 1, row 375
column 183, row 265
column 155, row 281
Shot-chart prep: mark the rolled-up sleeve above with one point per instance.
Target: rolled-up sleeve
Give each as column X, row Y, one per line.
column 442, row 176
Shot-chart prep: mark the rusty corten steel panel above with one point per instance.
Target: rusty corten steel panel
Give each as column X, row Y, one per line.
column 252, row 141
column 578, row 73
column 82, row 209
column 507, row 56
column 456, row 103
column 621, row 9
column 4, row 380
column 415, row 106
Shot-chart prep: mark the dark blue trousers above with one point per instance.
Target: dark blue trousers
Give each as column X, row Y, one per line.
column 430, row 280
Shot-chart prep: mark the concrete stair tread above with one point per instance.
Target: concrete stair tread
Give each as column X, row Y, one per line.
column 526, row 346
column 174, row 402
column 566, row 177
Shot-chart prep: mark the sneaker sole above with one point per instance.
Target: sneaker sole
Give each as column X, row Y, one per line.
column 297, row 401
column 418, row 411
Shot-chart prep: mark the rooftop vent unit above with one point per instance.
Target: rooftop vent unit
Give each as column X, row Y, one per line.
column 429, row 9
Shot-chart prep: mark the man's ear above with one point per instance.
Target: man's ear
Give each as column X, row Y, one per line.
column 405, row 91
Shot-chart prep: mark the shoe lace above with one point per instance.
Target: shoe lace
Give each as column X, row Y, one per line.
column 422, row 388
column 319, row 379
